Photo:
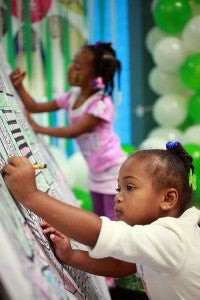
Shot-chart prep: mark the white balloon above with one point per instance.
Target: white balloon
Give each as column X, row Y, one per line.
column 192, row 135
column 195, row 8
column 63, row 164
column 169, row 53
column 170, row 110
column 169, row 134
column 153, row 143
column 153, row 36
column 162, row 82
column 79, row 166
column 191, row 35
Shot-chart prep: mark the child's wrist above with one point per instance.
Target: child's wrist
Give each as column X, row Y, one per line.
column 19, row 87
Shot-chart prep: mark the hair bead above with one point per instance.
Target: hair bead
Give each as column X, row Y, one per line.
column 171, row 145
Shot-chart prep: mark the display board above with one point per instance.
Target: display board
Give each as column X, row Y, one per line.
column 28, row 267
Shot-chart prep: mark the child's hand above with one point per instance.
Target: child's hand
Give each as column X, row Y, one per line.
column 60, row 242
column 17, row 77
column 19, row 177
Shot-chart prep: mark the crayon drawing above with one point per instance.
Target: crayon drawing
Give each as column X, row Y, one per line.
column 28, row 267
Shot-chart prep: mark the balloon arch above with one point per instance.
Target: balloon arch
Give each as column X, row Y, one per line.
column 174, row 43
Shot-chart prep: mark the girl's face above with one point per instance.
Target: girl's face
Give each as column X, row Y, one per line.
column 136, row 202
column 80, row 72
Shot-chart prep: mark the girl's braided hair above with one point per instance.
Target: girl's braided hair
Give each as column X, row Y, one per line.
column 170, row 168
column 105, row 64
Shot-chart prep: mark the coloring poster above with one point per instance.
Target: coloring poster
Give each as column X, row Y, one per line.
column 28, row 267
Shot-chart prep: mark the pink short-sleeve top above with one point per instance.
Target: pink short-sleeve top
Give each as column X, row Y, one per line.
column 100, row 146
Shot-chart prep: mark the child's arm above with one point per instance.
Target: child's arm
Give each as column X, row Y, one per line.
column 30, row 104
column 108, row 267
column 88, row 122
column 81, row 260
column 76, row 223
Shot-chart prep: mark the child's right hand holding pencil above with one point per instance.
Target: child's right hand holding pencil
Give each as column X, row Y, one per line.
column 19, row 176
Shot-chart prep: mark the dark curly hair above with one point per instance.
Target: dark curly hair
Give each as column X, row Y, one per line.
column 170, row 168
column 105, row 64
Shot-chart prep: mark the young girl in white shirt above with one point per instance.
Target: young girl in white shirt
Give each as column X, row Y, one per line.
column 157, row 236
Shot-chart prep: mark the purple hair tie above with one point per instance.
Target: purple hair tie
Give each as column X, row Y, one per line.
column 97, row 44
column 172, row 145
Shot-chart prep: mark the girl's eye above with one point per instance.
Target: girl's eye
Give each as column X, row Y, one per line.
column 130, row 188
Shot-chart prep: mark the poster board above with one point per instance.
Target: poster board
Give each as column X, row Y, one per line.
column 28, row 267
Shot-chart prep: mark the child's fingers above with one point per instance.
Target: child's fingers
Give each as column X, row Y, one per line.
column 44, row 224
column 52, row 230
column 61, row 235
column 17, row 76
column 59, row 241
column 48, row 229
column 13, row 162
column 8, row 169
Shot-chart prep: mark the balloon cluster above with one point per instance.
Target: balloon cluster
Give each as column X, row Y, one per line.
column 174, row 43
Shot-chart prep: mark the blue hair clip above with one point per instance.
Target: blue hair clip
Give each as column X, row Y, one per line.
column 172, row 145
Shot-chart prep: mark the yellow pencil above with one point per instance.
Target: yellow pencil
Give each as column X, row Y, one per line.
column 39, row 166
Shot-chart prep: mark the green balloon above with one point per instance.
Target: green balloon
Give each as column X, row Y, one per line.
column 84, row 199
column 172, row 15
column 194, row 107
column 196, row 198
column 190, row 71
column 188, row 122
column 129, row 149
column 194, row 151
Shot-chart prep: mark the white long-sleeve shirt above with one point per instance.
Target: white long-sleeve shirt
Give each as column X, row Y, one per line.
column 166, row 253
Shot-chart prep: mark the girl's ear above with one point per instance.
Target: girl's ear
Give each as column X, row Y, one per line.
column 170, row 199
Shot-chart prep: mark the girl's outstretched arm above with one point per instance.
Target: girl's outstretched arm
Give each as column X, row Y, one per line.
column 30, row 104
column 81, row 260
column 86, row 123
column 78, row 224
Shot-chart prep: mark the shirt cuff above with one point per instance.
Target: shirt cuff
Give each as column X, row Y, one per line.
column 106, row 240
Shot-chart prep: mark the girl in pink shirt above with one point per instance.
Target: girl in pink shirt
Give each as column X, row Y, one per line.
column 90, row 113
